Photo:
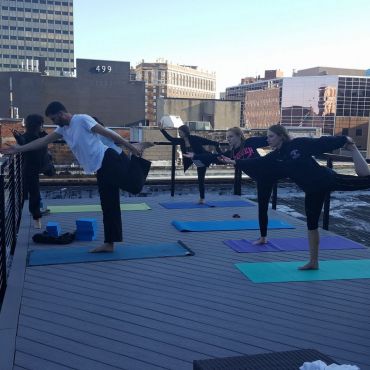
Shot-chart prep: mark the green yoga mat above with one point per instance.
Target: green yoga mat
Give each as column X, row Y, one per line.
column 97, row 208
column 280, row 272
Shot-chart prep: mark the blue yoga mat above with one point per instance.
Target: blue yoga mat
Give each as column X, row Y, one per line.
column 291, row 244
column 227, row 225
column 56, row 256
column 279, row 272
column 210, row 204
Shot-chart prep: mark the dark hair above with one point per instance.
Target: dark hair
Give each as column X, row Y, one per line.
column 96, row 119
column 54, row 108
column 281, row 131
column 34, row 123
column 185, row 129
column 238, row 132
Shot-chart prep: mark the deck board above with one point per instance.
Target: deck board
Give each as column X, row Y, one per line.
column 164, row 313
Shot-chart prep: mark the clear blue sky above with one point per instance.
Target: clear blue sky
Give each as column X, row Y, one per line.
column 235, row 38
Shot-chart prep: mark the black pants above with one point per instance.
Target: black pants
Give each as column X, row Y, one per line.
column 117, row 172
column 201, row 171
column 264, row 190
column 314, row 201
column 32, row 188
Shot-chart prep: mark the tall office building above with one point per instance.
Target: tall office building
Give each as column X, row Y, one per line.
column 167, row 80
column 37, row 36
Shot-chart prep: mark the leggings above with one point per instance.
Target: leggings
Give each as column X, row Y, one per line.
column 116, row 172
column 32, row 188
column 314, row 201
column 201, row 179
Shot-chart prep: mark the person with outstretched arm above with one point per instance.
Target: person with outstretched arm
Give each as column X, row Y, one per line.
column 113, row 172
column 192, row 144
column 293, row 158
column 245, row 148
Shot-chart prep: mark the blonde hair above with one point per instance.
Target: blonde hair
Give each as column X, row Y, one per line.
column 281, row 131
column 238, row 132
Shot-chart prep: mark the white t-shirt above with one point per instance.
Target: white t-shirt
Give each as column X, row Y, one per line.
column 109, row 142
column 85, row 144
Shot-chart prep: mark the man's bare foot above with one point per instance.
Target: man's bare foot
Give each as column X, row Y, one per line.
column 309, row 266
column 105, row 248
column 201, row 201
column 38, row 224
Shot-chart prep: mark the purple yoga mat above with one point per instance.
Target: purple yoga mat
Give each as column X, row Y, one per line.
column 247, row 246
column 326, row 242
column 291, row 244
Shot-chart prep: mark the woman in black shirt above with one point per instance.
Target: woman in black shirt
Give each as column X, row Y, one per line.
column 194, row 144
column 293, row 158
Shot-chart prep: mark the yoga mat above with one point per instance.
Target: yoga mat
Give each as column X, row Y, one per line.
column 279, row 272
column 246, row 246
column 326, row 243
column 227, row 225
column 291, row 244
column 210, row 204
column 57, row 256
column 96, row 208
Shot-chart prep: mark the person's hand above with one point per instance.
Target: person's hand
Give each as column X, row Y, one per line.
column 15, row 132
column 136, row 149
column 10, row 150
column 350, row 144
column 226, row 160
column 262, row 240
column 188, row 155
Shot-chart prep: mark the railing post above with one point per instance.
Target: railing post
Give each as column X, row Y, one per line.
column 237, row 182
column 3, row 262
column 173, row 170
column 325, row 218
column 12, row 191
column 274, row 196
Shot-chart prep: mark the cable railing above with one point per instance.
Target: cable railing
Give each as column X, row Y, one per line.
column 12, row 199
column 11, row 205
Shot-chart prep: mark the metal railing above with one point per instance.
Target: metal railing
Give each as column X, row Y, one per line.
column 11, row 205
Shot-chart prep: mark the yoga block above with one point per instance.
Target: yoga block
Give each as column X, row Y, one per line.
column 86, row 224
column 85, row 236
column 53, row 228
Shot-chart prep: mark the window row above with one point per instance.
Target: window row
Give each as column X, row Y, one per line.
column 37, row 20
column 44, row 30
column 49, row 2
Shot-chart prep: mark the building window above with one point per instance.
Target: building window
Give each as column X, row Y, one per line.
column 358, row 131
column 345, row 131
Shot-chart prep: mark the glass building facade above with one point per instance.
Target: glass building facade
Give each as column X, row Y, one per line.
column 333, row 103
column 309, row 102
column 37, row 35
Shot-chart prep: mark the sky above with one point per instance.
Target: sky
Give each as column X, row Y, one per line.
column 235, row 38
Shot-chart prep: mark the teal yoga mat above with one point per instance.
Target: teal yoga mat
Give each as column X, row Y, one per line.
column 227, row 225
column 65, row 255
column 279, row 272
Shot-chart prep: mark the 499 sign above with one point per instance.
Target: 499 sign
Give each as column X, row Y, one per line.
column 101, row 69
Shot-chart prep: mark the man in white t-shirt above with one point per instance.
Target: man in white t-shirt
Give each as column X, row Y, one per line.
column 113, row 171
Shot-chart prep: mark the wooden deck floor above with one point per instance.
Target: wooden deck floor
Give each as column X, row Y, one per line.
column 164, row 313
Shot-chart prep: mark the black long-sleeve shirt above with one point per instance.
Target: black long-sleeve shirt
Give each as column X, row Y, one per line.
column 196, row 146
column 247, row 150
column 294, row 160
column 34, row 159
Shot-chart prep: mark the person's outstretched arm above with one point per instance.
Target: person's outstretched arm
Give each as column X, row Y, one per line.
column 99, row 129
column 173, row 140
column 33, row 145
column 205, row 141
